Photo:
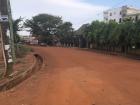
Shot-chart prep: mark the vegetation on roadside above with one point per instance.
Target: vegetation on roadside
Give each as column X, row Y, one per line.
column 49, row 28
column 17, row 26
column 122, row 37
column 22, row 50
column 111, row 37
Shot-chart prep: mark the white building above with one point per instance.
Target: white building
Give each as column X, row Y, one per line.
column 119, row 14
column 30, row 40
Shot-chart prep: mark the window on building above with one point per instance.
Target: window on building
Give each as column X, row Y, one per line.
column 110, row 14
column 106, row 19
column 120, row 13
column 120, row 20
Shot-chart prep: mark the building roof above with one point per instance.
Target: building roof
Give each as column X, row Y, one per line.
column 134, row 14
column 127, row 7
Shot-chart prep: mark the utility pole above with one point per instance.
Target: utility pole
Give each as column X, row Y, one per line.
column 11, row 30
column 7, row 34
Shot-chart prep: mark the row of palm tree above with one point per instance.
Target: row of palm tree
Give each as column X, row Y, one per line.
column 112, row 36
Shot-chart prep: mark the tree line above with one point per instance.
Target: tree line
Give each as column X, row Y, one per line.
column 112, row 36
column 115, row 37
column 49, row 29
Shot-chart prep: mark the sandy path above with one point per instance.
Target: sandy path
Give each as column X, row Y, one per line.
column 76, row 77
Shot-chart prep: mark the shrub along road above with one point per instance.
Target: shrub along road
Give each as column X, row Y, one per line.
column 78, row 77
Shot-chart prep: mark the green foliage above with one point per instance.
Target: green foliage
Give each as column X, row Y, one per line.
column 83, row 30
column 107, row 36
column 49, row 29
column 22, row 50
column 111, row 36
column 17, row 27
column 137, row 31
column 43, row 26
column 65, row 33
column 65, row 29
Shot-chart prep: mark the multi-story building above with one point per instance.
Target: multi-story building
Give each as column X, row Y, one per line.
column 122, row 13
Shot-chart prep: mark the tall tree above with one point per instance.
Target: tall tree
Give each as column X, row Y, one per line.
column 43, row 26
column 65, row 32
column 65, row 29
column 83, row 32
column 137, row 33
column 17, row 26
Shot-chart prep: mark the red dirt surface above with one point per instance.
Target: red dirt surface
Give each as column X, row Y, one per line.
column 77, row 77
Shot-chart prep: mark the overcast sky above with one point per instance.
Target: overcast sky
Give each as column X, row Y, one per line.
column 76, row 11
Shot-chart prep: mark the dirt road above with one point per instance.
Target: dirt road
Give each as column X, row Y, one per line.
column 78, row 77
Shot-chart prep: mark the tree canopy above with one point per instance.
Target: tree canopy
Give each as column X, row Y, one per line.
column 46, row 27
column 43, row 24
column 113, row 36
column 109, row 36
column 16, row 28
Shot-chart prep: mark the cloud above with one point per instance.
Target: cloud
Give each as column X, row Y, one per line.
column 76, row 11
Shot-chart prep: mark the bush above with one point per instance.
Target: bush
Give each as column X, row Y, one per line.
column 22, row 50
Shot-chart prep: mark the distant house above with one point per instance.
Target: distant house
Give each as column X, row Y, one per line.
column 120, row 14
column 30, row 40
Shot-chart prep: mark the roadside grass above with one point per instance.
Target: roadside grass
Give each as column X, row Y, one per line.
column 22, row 50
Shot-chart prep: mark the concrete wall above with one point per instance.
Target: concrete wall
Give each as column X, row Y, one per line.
column 119, row 14
column 113, row 14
